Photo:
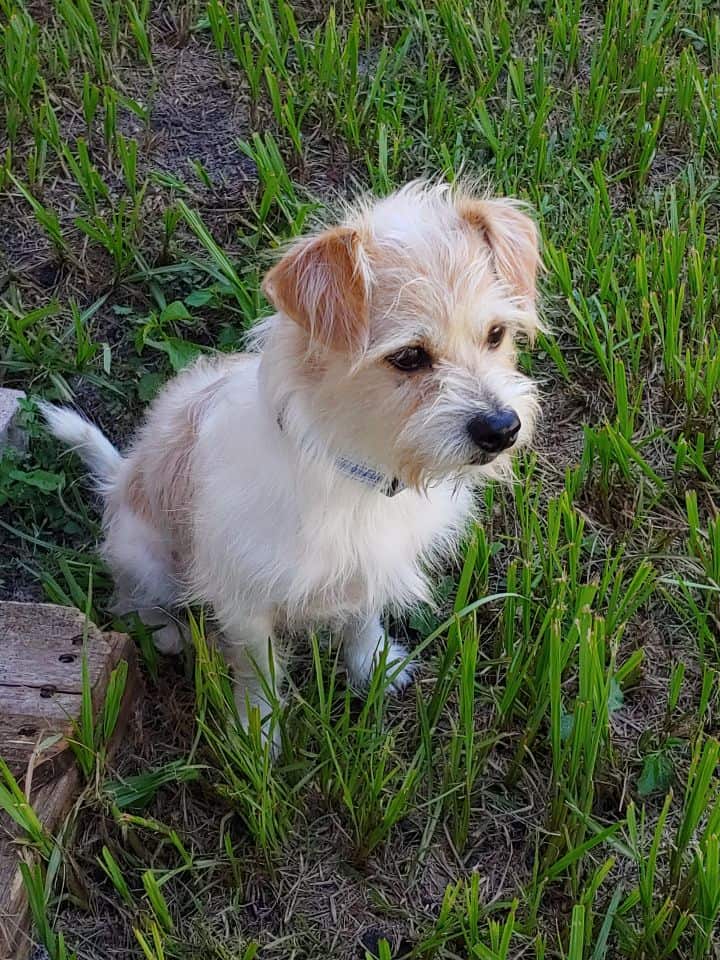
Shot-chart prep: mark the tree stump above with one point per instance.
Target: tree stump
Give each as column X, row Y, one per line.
column 41, row 650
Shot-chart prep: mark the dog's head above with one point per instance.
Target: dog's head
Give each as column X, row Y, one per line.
column 406, row 319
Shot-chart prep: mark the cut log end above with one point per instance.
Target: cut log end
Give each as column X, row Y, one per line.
column 40, row 699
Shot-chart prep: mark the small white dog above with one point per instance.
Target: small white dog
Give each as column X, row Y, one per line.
column 315, row 479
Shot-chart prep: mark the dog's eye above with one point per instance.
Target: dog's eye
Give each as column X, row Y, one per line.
column 495, row 336
column 410, row 359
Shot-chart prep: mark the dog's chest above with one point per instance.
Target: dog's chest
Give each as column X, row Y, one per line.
column 372, row 553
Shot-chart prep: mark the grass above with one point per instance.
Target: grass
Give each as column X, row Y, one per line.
column 549, row 788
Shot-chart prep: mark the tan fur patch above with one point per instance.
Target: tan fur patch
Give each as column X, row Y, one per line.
column 159, row 487
column 136, row 495
column 512, row 236
column 319, row 285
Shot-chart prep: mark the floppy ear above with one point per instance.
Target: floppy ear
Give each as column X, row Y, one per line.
column 320, row 284
column 513, row 239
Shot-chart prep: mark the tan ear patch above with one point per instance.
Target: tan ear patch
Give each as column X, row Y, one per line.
column 320, row 285
column 513, row 238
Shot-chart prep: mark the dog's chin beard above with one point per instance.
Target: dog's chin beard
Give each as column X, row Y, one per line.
column 481, row 459
column 456, row 473
column 462, row 464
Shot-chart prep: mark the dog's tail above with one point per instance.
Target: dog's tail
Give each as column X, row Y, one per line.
column 82, row 436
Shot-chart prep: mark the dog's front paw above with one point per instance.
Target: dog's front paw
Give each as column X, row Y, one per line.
column 269, row 727
column 399, row 671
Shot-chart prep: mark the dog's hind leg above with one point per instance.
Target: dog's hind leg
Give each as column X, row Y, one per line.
column 169, row 635
column 364, row 640
column 144, row 581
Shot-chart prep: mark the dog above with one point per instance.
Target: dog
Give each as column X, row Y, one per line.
column 319, row 477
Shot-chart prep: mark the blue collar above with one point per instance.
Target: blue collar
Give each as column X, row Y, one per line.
column 365, row 474
column 389, row 486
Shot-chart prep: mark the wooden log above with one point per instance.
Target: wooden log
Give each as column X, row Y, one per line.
column 11, row 434
column 41, row 650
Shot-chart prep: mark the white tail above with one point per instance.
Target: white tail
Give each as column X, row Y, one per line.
column 82, row 436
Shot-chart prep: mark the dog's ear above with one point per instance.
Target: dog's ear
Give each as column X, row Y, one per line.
column 513, row 238
column 321, row 285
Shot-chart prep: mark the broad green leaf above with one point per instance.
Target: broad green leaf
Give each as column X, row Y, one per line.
column 42, row 479
column 657, row 774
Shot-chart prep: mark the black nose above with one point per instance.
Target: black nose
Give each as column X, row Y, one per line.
column 496, row 431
